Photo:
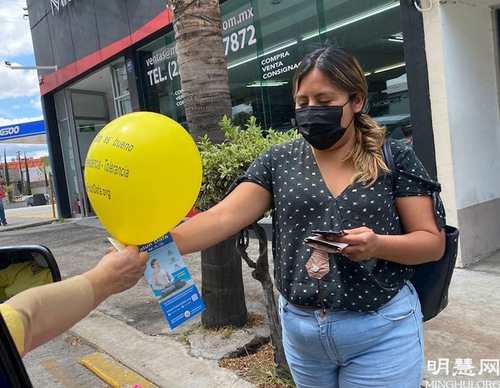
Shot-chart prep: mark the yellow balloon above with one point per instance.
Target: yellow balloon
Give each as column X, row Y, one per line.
column 142, row 174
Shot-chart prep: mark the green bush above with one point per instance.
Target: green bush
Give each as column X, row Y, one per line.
column 241, row 118
column 223, row 163
column 10, row 192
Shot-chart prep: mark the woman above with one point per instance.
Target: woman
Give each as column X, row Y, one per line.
column 360, row 324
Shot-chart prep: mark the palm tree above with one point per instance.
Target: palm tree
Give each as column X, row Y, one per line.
column 28, row 183
column 202, row 66
column 6, row 167
column 205, row 89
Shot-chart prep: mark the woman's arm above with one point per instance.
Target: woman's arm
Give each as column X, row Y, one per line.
column 245, row 204
column 40, row 309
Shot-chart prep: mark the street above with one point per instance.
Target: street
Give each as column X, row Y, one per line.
column 78, row 245
column 131, row 327
column 76, row 250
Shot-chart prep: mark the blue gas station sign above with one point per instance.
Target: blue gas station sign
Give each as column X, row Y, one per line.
column 14, row 131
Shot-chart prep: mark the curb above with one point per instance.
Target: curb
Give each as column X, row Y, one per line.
column 30, row 225
column 159, row 359
column 113, row 372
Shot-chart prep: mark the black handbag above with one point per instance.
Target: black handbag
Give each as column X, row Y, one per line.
column 432, row 279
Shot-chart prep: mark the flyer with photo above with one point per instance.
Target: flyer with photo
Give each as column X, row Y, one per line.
column 170, row 281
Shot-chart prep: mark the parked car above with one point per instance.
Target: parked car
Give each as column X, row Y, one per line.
column 31, row 202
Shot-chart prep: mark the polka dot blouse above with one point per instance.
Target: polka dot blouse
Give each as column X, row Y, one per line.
column 302, row 202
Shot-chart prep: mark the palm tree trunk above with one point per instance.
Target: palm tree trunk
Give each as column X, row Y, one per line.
column 202, row 66
column 205, row 89
column 222, row 286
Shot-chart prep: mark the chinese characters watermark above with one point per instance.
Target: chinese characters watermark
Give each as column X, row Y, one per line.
column 487, row 371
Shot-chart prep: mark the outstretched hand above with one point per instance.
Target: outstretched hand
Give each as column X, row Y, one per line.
column 116, row 272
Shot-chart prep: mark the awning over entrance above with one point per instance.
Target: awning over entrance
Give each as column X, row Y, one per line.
column 34, row 131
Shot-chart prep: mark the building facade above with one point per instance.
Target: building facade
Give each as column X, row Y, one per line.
column 119, row 56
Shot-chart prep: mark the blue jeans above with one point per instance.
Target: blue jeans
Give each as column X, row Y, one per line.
column 2, row 210
column 347, row 349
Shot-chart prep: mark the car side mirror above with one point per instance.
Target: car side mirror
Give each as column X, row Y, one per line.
column 24, row 267
column 21, row 268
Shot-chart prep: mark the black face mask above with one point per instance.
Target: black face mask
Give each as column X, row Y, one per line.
column 320, row 125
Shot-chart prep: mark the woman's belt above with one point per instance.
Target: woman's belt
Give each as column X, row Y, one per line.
column 306, row 307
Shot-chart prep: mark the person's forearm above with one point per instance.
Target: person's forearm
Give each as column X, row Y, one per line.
column 203, row 231
column 414, row 248
column 103, row 287
column 246, row 203
column 50, row 310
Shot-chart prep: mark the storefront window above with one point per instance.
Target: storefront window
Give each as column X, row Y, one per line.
column 264, row 42
column 372, row 31
column 160, row 76
column 260, row 74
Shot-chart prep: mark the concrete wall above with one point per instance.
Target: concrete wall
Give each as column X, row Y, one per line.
column 461, row 47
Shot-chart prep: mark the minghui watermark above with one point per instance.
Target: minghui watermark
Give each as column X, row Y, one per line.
column 462, row 384
column 460, row 371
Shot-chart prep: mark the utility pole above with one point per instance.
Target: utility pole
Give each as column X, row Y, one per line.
column 20, row 171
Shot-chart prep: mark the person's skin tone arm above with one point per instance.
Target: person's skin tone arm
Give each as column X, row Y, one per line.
column 422, row 241
column 246, row 203
column 116, row 272
column 40, row 308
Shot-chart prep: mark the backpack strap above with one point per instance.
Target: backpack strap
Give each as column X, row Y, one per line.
column 436, row 198
column 389, row 160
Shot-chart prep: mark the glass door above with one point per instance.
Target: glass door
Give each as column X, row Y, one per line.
column 68, row 151
column 90, row 115
column 121, row 93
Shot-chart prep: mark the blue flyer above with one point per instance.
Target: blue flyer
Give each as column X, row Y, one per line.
column 170, row 281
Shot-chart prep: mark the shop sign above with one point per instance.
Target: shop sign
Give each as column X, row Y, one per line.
column 232, row 21
column 237, row 40
column 55, row 5
column 129, row 66
column 22, row 130
column 165, row 66
column 276, row 64
column 388, row 101
column 238, row 34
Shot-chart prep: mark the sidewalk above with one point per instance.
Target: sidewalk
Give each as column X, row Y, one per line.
column 17, row 219
column 462, row 344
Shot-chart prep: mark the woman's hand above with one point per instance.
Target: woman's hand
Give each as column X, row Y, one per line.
column 422, row 241
column 363, row 243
